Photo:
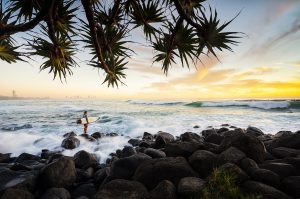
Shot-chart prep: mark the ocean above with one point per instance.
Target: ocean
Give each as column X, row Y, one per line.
column 32, row 125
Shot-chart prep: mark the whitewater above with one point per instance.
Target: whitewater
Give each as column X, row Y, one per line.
column 32, row 125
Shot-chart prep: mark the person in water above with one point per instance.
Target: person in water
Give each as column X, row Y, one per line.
column 87, row 122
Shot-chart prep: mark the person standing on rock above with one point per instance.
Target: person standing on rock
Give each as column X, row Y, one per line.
column 87, row 122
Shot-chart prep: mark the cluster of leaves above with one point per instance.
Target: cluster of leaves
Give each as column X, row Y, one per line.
column 175, row 29
column 222, row 185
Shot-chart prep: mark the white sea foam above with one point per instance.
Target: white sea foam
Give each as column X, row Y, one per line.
column 254, row 104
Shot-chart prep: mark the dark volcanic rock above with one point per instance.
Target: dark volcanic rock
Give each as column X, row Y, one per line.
column 190, row 187
column 127, row 151
column 100, row 175
column 98, row 135
column 289, row 140
column 214, row 138
column 191, row 137
column 84, row 159
column 134, row 142
column 240, row 175
column 231, row 154
column 26, row 157
column 17, row 194
column 124, row 168
column 222, row 130
column 87, row 190
column 282, row 134
column 145, row 144
column 184, row 149
column 4, row 158
column 164, row 190
column 266, row 191
column 203, row 162
column 148, row 137
column 250, row 145
column 208, row 132
column 70, row 143
column 248, row 164
column 151, row 172
column 88, row 137
column 291, row 185
column 254, row 131
column 282, row 169
column 61, row 173
column 154, row 153
column 56, row 193
column 162, row 138
column 121, row 189
column 282, row 152
column 70, row 134
column 265, row 176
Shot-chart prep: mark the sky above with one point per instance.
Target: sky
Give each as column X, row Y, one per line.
column 265, row 65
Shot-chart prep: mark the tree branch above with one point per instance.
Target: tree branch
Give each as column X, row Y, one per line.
column 9, row 29
column 115, row 10
column 93, row 30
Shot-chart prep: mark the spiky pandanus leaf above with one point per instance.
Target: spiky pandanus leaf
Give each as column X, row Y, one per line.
column 26, row 9
column 59, row 56
column 150, row 12
column 212, row 36
column 8, row 52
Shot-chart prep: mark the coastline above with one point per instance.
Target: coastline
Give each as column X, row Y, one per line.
column 160, row 166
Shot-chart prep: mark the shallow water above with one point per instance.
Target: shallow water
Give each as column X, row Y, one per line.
column 25, row 121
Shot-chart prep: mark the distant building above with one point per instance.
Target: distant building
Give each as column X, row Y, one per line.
column 14, row 94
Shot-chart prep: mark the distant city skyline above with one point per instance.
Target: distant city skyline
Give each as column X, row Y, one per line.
column 265, row 65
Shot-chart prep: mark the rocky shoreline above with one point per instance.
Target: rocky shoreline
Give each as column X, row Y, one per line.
column 161, row 166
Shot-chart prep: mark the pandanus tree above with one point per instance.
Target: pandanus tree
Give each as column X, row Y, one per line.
column 56, row 29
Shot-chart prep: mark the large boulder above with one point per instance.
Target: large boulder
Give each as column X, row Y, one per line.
column 98, row 135
column 254, row 131
column 124, row 168
column 190, row 187
column 291, row 185
column 134, row 142
column 127, row 151
column 214, row 138
column 84, row 159
column 282, row 152
column 208, row 132
column 249, row 144
column 248, row 164
column 56, row 193
column 100, row 175
column 239, row 174
column 231, row 154
column 61, row 173
column 266, row 191
column 162, row 138
column 87, row 190
column 17, row 194
column 289, row 140
column 154, row 153
column 120, row 189
column 203, row 162
column 282, row 169
column 191, row 137
column 164, row 190
column 70, row 143
column 151, row 172
column 148, row 137
column 24, row 157
column 184, row 149
column 70, row 134
column 265, row 176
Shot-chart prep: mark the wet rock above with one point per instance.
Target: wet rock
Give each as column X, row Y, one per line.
column 88, row 137
column 254, row 131
column 232, row 155
column 70, row 134
column 56, row 193
column 134, row 142
column 162, row 139
column 196, row 127
column 208, row 132
column 250, row 145
column 151, row 172
column 266, row 191
column 17, row 194
column 265, row 176
column 154, row 153
column 70, row 143
column 184, row 149
column 240, row 175
column 87, row 190
column 286, row 140
column 222, row 130
column 4, row 158
column 120, row 189
column 248, row 164
column 164, row 190
column 148, row 137
column 214, row 138
column 203, row 162
column 291, row 185
column 111, row 134
column 282, row 152
column 282, row 134
column 84, row 159
column 61, row 173
column 145, row 144
column 26, row 156
column 282, row 169
column 100, row 175
column 190, row 187
column 124, row 168
column 98, row 135
column 191, row 137
column 127, row 151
